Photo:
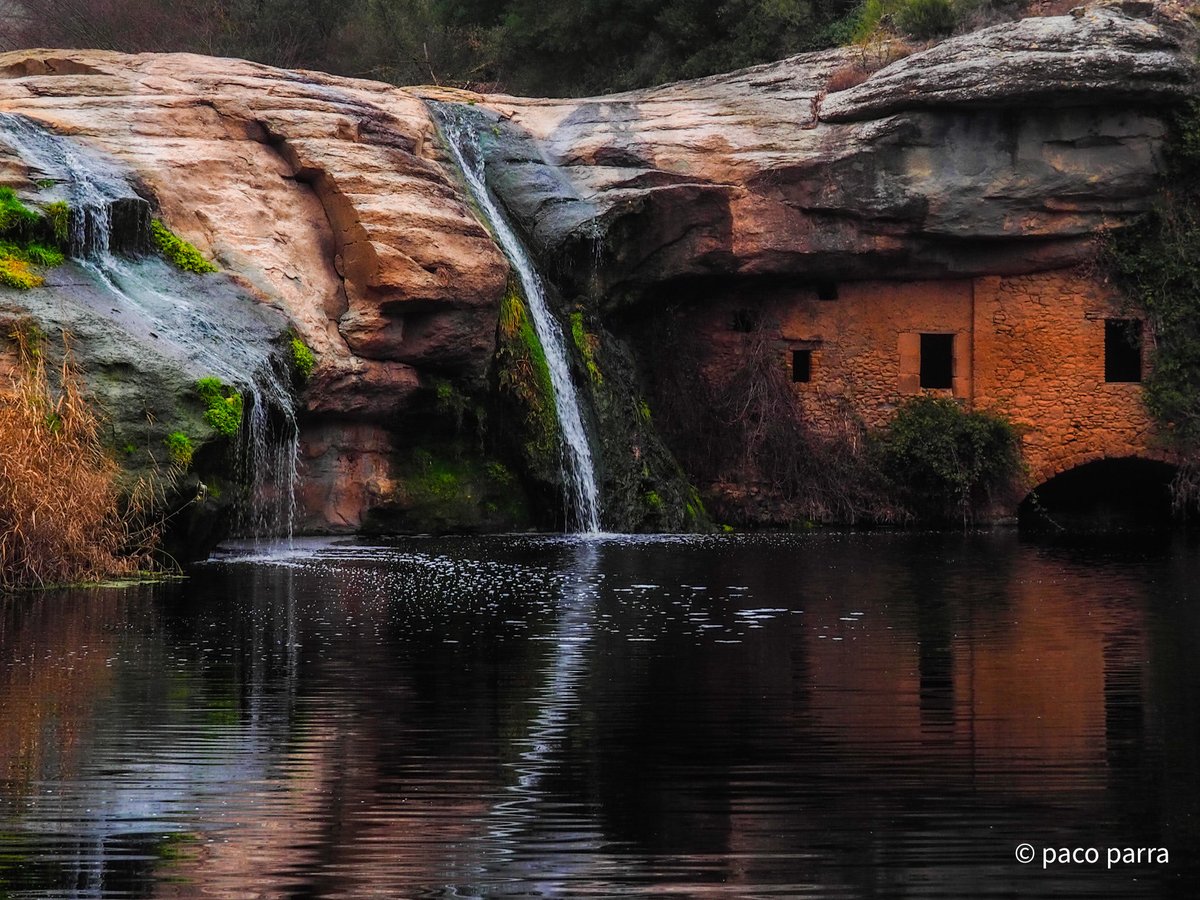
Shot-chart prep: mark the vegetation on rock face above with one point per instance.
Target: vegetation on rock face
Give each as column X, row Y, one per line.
column 1155, row 264
column 222, row 406
column 179, row 252
column 586, row 344
column 179, row 449
column 29, row 241
column 63, row 518
column 524, row 375
column 303, row 360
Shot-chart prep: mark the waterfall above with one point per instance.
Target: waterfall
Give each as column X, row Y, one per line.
column 579, row 471
column 109, row 228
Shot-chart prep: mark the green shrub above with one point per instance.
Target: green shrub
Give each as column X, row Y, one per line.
column 945, row 460
column 925, row 19
column 179, row 449
column 179, row 252
column 303, row 360
column 222, row 406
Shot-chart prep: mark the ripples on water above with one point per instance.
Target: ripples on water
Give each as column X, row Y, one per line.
column 817, row 716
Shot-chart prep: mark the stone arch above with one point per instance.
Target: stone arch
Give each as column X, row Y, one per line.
column 1096, row 491
column 1059, row 465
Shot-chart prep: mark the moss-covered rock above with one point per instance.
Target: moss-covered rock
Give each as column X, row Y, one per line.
column 451, row 487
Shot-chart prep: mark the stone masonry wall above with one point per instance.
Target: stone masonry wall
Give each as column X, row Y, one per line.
column 1031, row 347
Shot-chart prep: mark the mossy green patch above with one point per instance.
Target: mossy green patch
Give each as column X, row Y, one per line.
column 179, row 252
column 223, row 406
column 450, row 487
column 58, row 216
column 586, row 343
column 303, row 360
column 179, row 449
column 524, row 375
column 26, row 243
column 17, row 221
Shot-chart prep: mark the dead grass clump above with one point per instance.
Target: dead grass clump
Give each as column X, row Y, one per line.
column 63, row 517
column 846, row 77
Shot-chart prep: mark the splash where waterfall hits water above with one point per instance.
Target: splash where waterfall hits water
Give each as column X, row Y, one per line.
column 195, row 328
column 579, row 470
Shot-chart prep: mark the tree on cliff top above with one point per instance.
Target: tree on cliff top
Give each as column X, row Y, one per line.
column 528, row 46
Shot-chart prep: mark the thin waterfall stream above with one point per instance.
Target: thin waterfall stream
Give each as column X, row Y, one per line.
column 579, row 470
column 109, row 229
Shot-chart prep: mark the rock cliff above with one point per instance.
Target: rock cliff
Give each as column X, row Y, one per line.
column 331, row 208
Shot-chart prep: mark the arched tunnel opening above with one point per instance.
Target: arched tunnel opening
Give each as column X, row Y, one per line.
column 1105, row 496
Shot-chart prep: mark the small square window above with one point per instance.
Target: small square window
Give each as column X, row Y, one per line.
column 1122, row 350
column 801, row 366
column 827, row 290
column 937, row 361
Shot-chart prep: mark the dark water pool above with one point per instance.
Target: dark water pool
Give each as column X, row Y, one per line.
column 849, row 716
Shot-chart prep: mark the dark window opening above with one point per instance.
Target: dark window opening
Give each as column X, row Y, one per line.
column 801, row 366
column 937, row 360
column 827, row 290
column 744, row 321
column 1122, row 350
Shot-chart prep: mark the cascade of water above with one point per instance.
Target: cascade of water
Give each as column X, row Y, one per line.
column 579, row 471
column 109, row 222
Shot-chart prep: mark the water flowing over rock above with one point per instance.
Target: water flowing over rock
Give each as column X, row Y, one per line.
column 133, row 321
column 579, row 472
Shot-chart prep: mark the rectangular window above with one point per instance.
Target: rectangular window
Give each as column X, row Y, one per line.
column 801, row 366
column 1122, row 350
column 937, row 361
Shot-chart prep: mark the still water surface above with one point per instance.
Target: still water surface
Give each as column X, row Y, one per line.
column 824, row 716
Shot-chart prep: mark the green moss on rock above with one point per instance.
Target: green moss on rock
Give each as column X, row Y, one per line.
column 524, row 376
column 223, row 406
column 179, row 252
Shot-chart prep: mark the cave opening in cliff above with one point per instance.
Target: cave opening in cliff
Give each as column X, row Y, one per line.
column 1104, row 496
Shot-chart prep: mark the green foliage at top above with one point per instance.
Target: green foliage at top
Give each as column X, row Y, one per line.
column 544, row 47
column 1155, row 263
column 946, row 460
column 925, row 19
column 303, row 360
column 179, row 252
column 222, row 406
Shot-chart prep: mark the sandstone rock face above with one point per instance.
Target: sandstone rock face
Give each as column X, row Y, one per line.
column 1004, row 150
column 318, row 195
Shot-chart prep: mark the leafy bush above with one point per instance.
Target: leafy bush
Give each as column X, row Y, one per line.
column 179, row 252
column 223, row 406
column 945, row 460
column 925, row 19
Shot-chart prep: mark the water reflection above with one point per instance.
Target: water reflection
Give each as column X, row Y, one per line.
column 825, row 716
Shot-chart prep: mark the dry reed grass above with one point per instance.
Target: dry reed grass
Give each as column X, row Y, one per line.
column 63, row 516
